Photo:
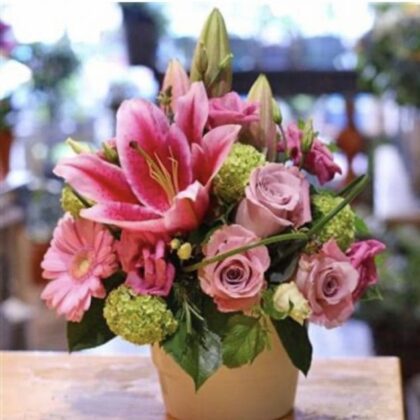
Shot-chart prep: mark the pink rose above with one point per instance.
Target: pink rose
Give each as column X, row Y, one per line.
column 231, row 109
column 317, row 161
column 235, row 283
column 148, row 272
column 328, row 280
column 277, row 197
column 361, row 255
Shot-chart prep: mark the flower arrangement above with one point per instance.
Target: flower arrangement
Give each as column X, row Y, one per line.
column 197, row 228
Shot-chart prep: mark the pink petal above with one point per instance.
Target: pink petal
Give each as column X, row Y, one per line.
column 145, row 124
column 126, row 216
column 208, row 157
column 188, row 209
column 192, row 112
column 95, row 178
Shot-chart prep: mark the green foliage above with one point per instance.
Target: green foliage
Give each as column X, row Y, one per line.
column 91, row 331
column 361, row 227
column 197, row 352
column 245, row 339
column 295, row 340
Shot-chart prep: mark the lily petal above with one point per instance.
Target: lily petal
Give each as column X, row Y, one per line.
column 192, row 112
column 127, row 216
column 143, row 124
column 188, row 209
column 95, row 178
column 208, row 157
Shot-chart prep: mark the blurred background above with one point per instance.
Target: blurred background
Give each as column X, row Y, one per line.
column 353, row 66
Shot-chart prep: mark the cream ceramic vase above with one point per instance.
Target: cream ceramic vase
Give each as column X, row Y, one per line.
column 264, row 390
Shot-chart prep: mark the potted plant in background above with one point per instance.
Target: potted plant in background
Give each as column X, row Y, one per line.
column 389, row 61
column 196, row 230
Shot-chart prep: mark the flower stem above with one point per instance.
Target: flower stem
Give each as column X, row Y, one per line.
column 349, row 195
column 266, row 241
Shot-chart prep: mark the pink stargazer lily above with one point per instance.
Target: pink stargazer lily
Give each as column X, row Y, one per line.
column 166, row 170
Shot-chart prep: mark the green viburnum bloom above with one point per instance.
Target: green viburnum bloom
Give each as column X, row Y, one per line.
column 229, row 184
column 341, row 227
column 140, row 319
column 70, row 202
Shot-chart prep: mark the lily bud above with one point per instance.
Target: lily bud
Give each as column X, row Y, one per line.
column 176, row 82
column 212, row 60
column 77, row 146
column 263, row 132
column 277, row 117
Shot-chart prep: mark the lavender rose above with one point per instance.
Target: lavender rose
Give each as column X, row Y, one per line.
column 328, row 280
column 361, row 255
column 235, row 283
column 277, row 197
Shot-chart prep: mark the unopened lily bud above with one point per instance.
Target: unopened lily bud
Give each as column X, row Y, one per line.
column 277, row 117
column 212, row 57
column 185, row 251
column 263, row 132
column 176, row 80
column 77, row 146
column 175, row 244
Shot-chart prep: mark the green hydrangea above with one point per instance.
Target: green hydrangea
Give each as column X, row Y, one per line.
column 139, row 319
column 341, row 227
column 70, row 202
column 229, row 184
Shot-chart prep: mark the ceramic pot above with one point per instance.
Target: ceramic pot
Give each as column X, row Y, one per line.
column 263, row 390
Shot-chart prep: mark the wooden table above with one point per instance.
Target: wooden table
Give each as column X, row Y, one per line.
column 53, row 386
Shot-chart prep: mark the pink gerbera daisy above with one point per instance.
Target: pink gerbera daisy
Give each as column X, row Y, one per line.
column 80, row 255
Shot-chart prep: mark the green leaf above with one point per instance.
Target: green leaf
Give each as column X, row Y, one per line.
column 216, row 321
column 283, row 268
column 91, row 331
column 295, row 340
column 372, row 293
column 198, row 353
column 361, row 227
column 245, row 339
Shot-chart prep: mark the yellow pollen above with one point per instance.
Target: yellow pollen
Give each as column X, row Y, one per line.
column 159, row 173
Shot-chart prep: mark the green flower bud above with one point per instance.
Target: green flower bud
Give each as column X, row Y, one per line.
column 277, row 117
column 175, row 244
column 341, row 227
column 229, row 184
column 137, row 318
column 77, row 146
column 70, row 202
column 212, row 57
column 308, row 136
column 110, row 153
column 185, row 251
column 263, row 132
